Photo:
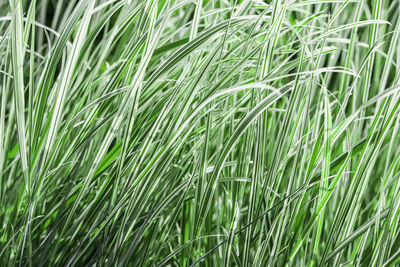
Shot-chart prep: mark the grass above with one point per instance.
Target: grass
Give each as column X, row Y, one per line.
column 200, row 132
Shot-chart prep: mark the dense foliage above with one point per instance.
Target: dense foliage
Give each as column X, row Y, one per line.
column 209, row 132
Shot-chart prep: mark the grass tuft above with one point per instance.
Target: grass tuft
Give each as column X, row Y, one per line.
column 199, row 133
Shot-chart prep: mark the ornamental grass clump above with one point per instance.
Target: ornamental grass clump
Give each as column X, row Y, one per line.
column 199, row 132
